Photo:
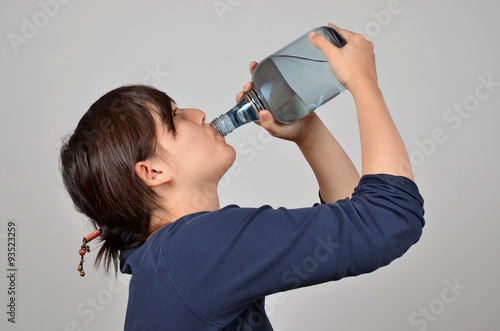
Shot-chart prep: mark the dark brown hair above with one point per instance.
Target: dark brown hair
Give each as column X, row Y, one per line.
column 97, row 165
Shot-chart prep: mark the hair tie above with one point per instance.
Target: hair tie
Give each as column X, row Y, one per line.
column 85, row 248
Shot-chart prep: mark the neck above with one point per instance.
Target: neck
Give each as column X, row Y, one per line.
column 181, row 203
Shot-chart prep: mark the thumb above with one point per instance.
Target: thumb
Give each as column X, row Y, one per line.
column 321, row 43
column 268, row 123
column 266, row 119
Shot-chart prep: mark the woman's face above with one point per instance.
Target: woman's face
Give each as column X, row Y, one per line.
column 195, row 153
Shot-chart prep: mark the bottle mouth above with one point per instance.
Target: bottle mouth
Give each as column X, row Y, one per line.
column 245, row 111
column 222, row 125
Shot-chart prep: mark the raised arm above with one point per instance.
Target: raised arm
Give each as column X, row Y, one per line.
column 382, row 148
column 335, row 173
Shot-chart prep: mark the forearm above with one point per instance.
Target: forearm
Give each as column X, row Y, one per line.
column 382, row 148
column 336, row 174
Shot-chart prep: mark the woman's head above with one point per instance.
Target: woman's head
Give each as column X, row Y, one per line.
column 99, row 158
column 132, row 151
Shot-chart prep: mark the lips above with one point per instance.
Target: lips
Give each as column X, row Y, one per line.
column 214, row 131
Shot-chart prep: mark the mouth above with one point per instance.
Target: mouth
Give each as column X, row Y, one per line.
column 212, row 128
column 216, row 133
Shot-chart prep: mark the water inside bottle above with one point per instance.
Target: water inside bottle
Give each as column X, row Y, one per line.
column 293, row 86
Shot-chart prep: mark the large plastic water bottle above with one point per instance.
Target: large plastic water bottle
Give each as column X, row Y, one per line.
column 290, row 83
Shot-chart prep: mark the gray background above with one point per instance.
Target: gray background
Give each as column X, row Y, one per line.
column 433, row 58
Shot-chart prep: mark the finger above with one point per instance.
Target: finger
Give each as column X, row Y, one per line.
column 268, row 123
column 266, row 119
column 322, row 43
column 247, row 87
column 346, row 34
column 252, row 66
column 239, row 96
column 333, row 26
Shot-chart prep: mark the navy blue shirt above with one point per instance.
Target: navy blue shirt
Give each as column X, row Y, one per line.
column 212, row 270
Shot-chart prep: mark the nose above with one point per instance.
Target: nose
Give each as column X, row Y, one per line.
column 195, row 115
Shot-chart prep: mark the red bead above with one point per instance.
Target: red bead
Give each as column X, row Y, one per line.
column 83, row 251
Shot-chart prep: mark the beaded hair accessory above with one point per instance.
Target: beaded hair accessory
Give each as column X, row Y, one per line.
column 86, row 249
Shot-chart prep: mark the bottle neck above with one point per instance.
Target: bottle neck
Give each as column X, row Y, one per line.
column 246, row 111
column 257, row 103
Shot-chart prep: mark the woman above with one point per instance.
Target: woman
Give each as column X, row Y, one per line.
column 146, row 173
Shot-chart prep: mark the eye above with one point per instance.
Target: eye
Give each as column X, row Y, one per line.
column 174, row 112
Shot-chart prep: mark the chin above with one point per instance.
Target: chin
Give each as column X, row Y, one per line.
column 233, row 153
column 229, row 161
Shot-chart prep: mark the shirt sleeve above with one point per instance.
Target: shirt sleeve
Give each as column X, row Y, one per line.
column 231, row 257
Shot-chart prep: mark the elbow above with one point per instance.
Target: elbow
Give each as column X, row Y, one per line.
column 394, row 243
column 397, row 243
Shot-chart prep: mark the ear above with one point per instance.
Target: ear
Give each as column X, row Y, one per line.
column 152, row 174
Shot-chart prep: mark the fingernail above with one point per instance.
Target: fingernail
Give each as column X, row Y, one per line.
column 312, row 34
column 264, row 115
